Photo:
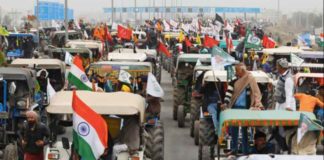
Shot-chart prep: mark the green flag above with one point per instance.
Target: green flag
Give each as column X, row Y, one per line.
column 251, row 40
column 306, row 124
column 220, row 58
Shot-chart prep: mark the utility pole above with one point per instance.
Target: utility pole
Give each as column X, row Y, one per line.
column 278, row 11
column 112, row 12
column 66, row 21
column 135, row 13
column 37, row 20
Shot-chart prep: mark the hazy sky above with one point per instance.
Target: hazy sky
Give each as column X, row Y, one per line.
column 95, row 6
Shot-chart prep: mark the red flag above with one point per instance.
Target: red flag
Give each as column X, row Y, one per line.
column 124, row 33
column 188, row 43
column 268, row 42
column 210, row 42
column 229, row 42
column 107, row 35
column 164, row 49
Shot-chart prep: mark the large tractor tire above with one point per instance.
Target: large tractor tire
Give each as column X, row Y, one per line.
column 181, row 115
column 196, row 132
column 178, row 99
column 206, row 152
column 194, row 113
column 207, row 135
column 154, row 145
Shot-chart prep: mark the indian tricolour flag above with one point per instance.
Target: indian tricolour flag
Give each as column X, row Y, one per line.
column 77, row 75
column 90, row 131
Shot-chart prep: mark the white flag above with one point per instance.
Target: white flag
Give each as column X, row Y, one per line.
column 77, row 25
column 198, row 73
column 173, row 23
column 124, row 76
column 153, row 87
column 166, row 26
column 50, row 90
column 55, row 24
column 85, row 34
column 198, row 63
column 255, row 66
column 295, row 60
column 68, row 58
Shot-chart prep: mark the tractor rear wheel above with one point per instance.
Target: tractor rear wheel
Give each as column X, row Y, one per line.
column 155, row 142
column 181, row 115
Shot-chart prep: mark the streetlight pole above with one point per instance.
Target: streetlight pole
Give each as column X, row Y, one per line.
column 66, row 20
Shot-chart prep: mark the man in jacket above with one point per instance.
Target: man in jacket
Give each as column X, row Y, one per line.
column 34, row 137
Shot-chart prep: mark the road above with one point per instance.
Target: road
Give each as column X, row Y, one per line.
column 178, row 145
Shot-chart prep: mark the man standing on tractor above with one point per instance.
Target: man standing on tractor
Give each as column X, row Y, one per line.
column 284, row 97
column 34, row 137
column 242, row 93
column 284, row 90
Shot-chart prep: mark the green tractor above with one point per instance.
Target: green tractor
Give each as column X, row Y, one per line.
column 196, row 100
column 182, row 81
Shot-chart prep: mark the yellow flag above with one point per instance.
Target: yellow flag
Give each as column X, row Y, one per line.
column 135, row 39
column 3, row 31
column 264, row 58
column 181, row 37
column 198, row 40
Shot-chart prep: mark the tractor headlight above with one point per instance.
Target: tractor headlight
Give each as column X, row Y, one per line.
column 21, row 104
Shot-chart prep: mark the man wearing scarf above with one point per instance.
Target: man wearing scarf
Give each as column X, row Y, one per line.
column 242, row 93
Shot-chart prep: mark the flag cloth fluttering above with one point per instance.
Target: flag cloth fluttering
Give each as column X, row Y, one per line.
column 188, row 43
column 50, row 91
column 268, row 42
column 181, row 37
column 153, row 87
column 162, row 48
column 306, row 124
column 124, row 33
column 90, row 130
column 3, row 31
column 198, row 40
column 210, row 42
column 251, row 40
column 124, row 76
column 295, row 60
column 220, row 58
column 77, row 75
column 320, row 40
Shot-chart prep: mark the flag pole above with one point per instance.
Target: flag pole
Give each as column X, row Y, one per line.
column 66, row 20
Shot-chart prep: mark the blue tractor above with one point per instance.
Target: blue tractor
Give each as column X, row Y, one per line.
column 17, row 96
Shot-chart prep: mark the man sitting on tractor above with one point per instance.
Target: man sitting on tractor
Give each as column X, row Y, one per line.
column 261, row 146
column 211, row 98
